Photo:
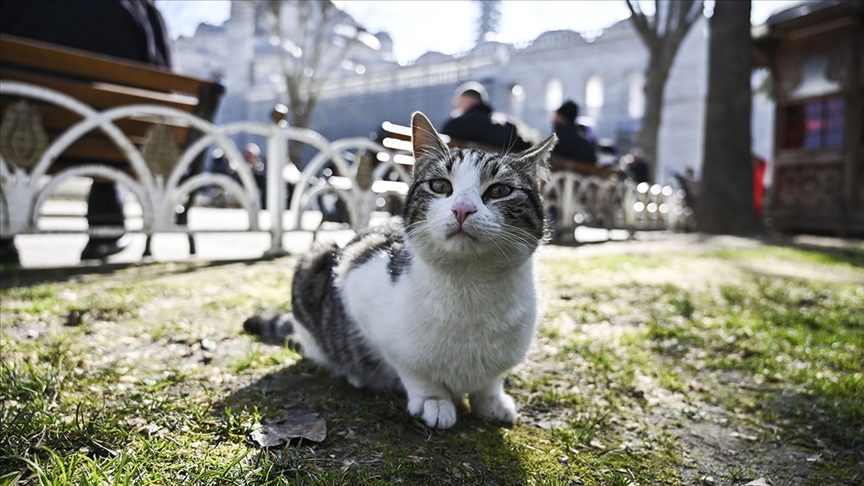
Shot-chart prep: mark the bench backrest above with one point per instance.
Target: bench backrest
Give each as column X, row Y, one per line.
column 102, row 82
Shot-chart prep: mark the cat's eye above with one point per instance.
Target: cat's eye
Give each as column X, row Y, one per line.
column 441, row 186
column 496, row 191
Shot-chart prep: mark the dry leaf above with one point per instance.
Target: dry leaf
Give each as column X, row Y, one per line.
column 293, row 425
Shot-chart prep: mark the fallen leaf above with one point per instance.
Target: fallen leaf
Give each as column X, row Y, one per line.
column 293, row 425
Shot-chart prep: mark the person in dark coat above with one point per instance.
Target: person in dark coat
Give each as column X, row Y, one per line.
column 572, row 144
column 636, row 167
column 128, row 29
column 474, row 122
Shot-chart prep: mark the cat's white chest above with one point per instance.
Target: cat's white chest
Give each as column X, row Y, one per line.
column 458, row 332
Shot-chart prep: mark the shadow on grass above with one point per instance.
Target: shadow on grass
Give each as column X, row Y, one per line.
column 831, row 251
column 822, row 418
column 370, row 436
column 14, row 276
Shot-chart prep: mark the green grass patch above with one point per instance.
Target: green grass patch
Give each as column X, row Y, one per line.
column 142, row 375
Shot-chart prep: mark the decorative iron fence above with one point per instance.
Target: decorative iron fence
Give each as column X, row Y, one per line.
column 360, row 173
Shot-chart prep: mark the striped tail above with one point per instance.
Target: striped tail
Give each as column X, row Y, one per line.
column 271, row 326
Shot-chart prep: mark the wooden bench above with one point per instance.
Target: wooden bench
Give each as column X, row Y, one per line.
column 103, row 82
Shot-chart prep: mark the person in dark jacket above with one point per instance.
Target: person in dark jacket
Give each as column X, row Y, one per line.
column 636, row 167
column 473, row 121
column 572, row 144
column 128, row 29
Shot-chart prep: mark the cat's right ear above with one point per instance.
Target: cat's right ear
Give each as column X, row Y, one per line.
column 424, row 138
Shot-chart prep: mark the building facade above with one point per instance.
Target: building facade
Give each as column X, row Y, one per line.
column 603, row 72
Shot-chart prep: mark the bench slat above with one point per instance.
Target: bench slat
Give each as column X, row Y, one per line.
column 102, row 95
column 85, row 65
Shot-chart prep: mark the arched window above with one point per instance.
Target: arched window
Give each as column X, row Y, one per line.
column 554, row 94
column 516, row 102
column 636, row 94
column 594, row 98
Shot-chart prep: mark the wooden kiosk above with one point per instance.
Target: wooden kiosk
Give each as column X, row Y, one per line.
column 815, row 52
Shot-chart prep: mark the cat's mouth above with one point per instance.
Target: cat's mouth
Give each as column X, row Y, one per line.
column 459, row 233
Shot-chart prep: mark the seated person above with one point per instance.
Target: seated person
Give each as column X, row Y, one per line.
column 473, row 121
column 571, row 143
column 636, row 167
column 129, row 29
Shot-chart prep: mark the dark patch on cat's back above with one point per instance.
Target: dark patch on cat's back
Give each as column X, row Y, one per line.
column 400, row 258
column 388, row 239
column 318, row 307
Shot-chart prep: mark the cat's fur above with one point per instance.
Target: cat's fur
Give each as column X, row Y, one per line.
column 442, row 304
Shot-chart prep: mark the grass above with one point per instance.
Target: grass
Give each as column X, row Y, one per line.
column 799, row 338
column 142, row 375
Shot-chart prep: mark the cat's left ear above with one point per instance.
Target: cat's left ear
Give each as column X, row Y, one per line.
column 535, row 160
column 424, row 139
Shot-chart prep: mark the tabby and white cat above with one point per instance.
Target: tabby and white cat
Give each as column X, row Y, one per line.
column 441, row 303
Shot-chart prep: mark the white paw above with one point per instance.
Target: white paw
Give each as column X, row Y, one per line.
column 437, row 413
column 500, row 407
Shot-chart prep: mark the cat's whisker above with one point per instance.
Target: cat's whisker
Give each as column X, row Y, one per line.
column 503, row 252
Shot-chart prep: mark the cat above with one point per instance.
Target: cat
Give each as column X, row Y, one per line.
column 440, row 303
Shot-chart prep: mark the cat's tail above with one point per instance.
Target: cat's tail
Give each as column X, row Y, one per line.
column 271, row 326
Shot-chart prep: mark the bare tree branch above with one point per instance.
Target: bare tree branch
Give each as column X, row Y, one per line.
column 308, row 55
column 670, row 15
column 694, row 12
column 677, row 20
column 649, row 36
column 689, row 13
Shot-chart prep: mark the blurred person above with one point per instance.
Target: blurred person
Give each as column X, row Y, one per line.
column 759, row 167
column 607, row 156
column 218, row 164
column 635, row 165
column 473, row 120
column 571, row 143
column 128, row 29
column 691, row 186
column 252, row 155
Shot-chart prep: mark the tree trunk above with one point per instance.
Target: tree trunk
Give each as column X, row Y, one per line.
column 725, row 205
column 662, row 35
column 301, row 117
column 655, row 82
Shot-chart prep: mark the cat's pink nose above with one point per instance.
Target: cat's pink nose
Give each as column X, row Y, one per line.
column 462, row 211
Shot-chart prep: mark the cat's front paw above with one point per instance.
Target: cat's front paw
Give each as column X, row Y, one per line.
column 437, row 413
column 497, row 407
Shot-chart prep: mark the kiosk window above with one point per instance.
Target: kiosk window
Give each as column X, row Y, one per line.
column 815, row 124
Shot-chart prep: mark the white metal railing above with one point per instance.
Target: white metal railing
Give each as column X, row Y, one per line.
column 363, row 174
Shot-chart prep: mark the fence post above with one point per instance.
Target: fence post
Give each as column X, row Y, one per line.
column 277, row 157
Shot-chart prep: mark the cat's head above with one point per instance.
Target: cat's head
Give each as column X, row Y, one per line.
column 472, row 203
